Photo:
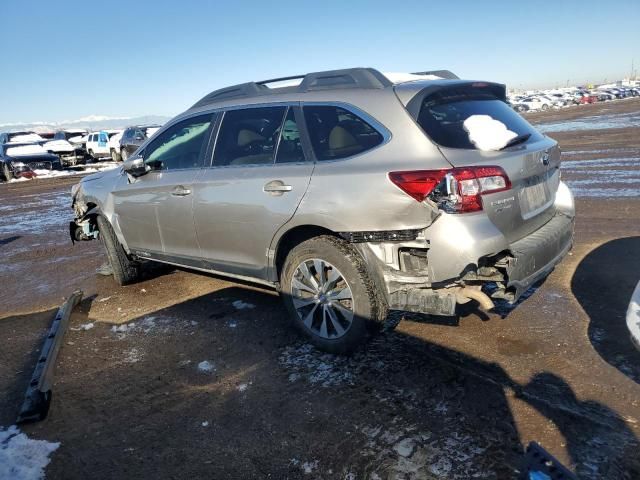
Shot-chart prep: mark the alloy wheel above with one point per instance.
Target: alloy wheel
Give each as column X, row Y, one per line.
column 322, row 298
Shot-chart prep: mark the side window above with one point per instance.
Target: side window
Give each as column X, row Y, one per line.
column 180, row 146
column 338, row 133
column 248, row 136
column 290, row 148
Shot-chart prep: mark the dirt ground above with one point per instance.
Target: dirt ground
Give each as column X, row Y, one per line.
column 431, row 399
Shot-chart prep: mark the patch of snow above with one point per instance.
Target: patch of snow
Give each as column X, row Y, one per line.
column 121, row 328
column 401, row 77
column 26, row 138
column 243, row 387
column 25, row 150
column 104, row 299
column 601, row 162
column 405, row 447
column 595, row 122
column 205, row 424
column 22, row 458
column 84, row 326
column 309, row 467
column 133, row 355
column 317, row 367
column 206, row 366
column 59, row 146
column 486, row 133
column 240, row 305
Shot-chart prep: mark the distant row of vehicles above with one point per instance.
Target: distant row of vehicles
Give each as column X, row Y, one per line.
column 546, row 100
column 25, row 153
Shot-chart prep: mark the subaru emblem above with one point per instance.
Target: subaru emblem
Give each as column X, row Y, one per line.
column 545, row 158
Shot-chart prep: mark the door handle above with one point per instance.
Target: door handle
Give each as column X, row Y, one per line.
column 181, row 191
column 277, row 186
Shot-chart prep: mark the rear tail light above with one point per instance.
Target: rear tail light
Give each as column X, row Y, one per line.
column 456, row 190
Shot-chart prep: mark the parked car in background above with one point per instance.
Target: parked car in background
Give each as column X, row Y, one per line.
column 98, row 143
column 375, row 195
column 21, row 137
column 518, row 106
column 135, row 136
column 114, row 146
column 534, row 103
column 588, row 97
column 21, row 159
column 73, row 136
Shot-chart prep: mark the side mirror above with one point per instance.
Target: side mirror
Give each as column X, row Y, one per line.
column 139, row 137
column 135, row 166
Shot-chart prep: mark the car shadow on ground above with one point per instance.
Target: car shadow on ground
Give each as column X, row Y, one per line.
column 603, row 284
column 135, row 401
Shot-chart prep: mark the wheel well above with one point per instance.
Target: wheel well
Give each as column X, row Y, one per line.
column 294, row 237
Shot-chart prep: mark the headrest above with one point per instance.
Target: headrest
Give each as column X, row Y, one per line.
column 245, row 137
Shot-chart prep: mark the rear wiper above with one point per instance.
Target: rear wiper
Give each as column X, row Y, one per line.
column 517, row 140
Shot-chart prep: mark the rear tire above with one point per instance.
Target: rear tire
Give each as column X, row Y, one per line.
column 114, row 155
column 329, row 294
column 125, row 270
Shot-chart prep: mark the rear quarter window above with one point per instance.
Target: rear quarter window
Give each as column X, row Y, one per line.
column 339, row 133
column 442, row 115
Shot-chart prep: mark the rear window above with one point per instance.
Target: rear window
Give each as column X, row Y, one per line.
column 442, row 115
column 338, row 133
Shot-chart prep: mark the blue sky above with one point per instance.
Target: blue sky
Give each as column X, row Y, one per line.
column 68, row 59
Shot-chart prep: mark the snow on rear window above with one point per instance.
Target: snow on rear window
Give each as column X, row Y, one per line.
column 487, row 133
column 442, row 117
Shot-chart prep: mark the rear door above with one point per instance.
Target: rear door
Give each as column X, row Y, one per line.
column 155, row 211
column 258, row 177
column 532, row 163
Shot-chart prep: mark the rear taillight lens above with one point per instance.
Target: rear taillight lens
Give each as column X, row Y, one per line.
column 455, row 190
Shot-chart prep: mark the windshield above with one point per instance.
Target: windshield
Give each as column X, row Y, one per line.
column 442, row 117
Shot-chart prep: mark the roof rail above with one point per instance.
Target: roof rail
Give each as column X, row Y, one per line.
column 446, row 74
column 328, row 80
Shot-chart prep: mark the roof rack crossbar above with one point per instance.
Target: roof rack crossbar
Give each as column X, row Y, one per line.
column 329, row 80
column 281, row 79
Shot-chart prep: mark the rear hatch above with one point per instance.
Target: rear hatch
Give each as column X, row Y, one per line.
column 531, row 163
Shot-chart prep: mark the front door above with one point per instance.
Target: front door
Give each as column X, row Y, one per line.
column 155, row 211
column 258, row 178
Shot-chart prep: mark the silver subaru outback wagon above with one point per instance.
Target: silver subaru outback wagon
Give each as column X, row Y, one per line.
column 350, row 191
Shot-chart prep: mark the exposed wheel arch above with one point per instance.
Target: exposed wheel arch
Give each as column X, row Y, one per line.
column 294, row 237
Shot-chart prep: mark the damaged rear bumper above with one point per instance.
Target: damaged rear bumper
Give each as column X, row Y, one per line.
column 536, row 255
column 433, row 273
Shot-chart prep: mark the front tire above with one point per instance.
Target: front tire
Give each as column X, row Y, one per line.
column 8, row 175
column 114, row 155
column 329, row 294
column 125, row 270
column 124, row 155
